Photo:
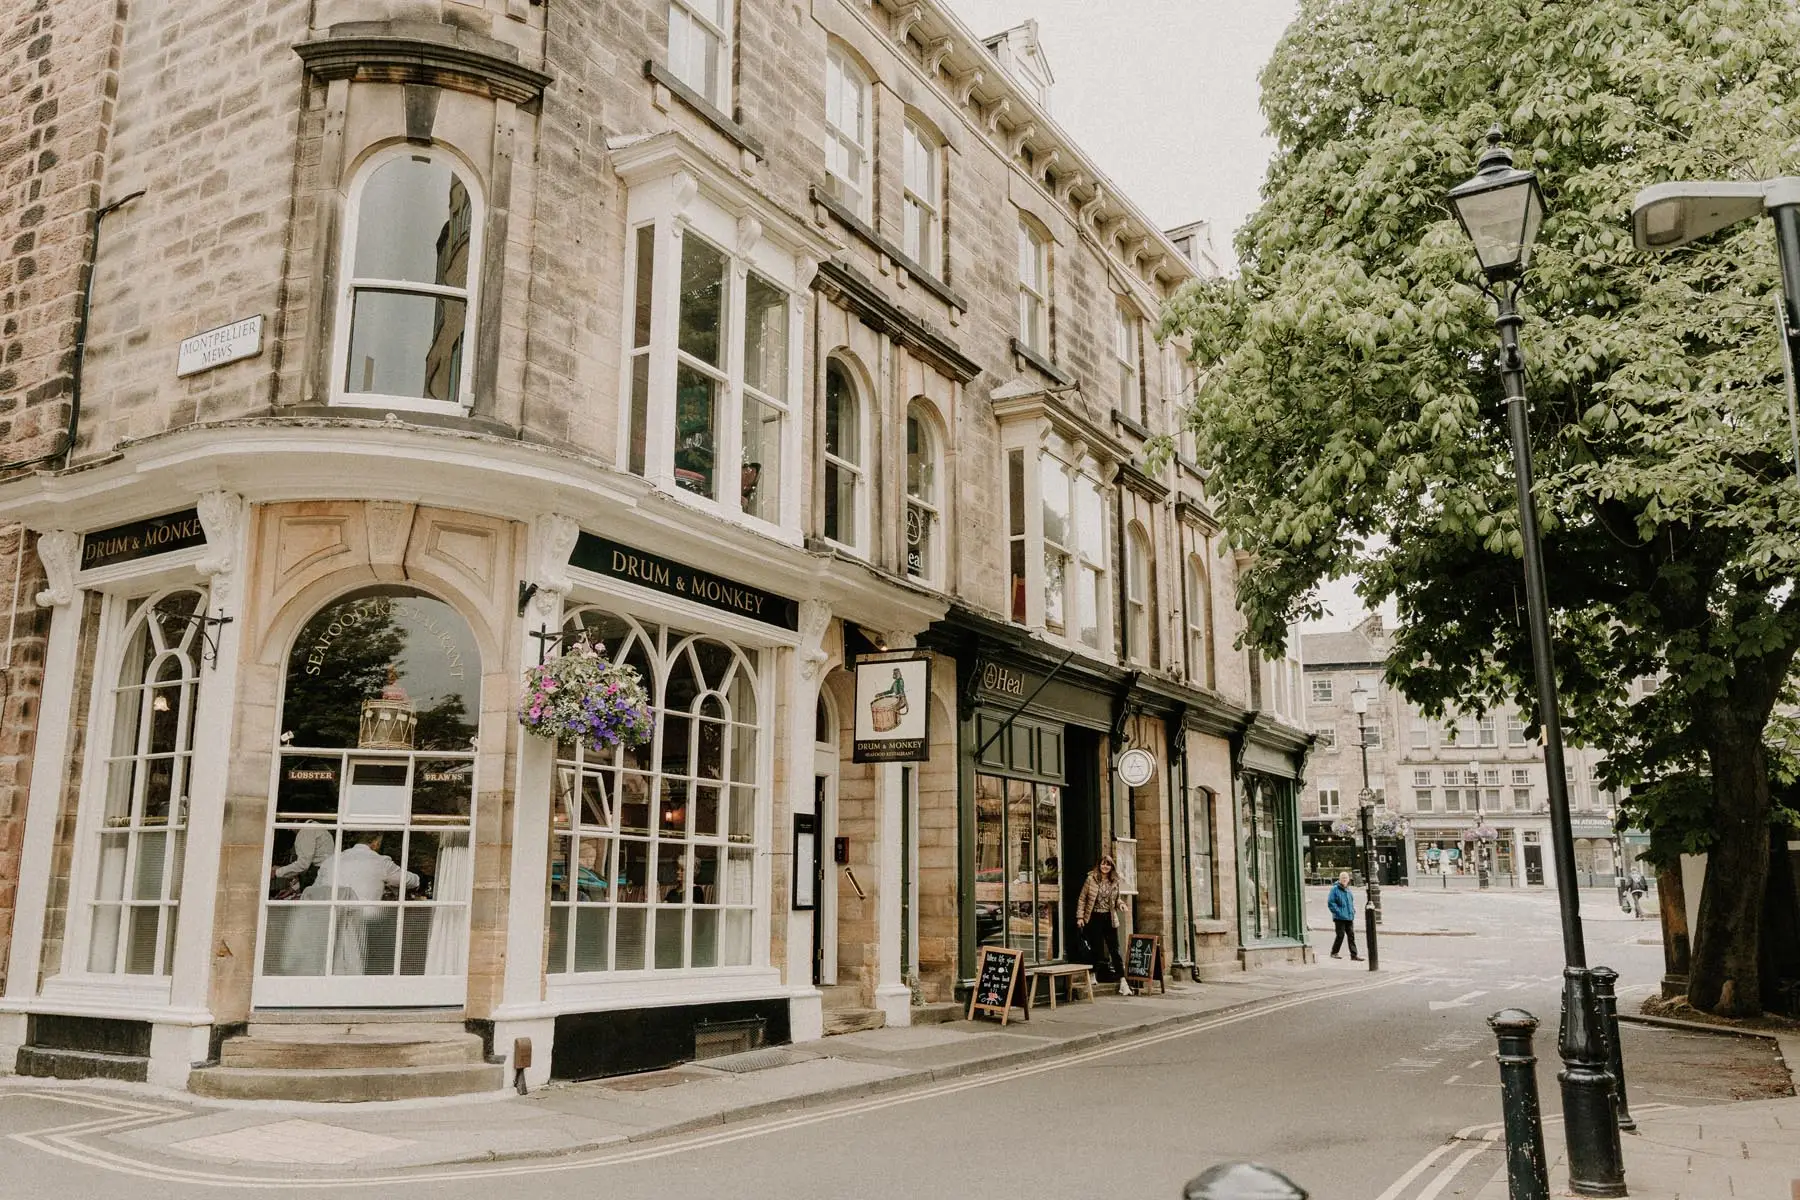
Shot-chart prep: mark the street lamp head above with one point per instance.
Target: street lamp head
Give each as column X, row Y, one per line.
column 1501, row 209
column 1668, row 215
column 1359, row 699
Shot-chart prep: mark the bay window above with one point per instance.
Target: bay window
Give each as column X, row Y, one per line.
column 847, row 132
column 712, row 335
column 1057, row 546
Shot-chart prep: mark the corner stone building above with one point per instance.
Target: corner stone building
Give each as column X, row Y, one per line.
column 360, row 355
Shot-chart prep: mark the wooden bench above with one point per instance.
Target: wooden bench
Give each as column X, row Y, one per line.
column 1075, row 976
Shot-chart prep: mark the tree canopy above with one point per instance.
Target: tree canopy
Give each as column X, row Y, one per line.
column 1350, row 409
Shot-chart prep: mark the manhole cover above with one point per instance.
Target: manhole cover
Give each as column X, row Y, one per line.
column 756, row 1060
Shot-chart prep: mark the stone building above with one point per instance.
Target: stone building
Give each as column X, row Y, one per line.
column 1436, row 782
column 361, row 354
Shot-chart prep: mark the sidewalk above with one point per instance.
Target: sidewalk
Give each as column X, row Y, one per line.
column 574, row 1118
column 1704, row 1153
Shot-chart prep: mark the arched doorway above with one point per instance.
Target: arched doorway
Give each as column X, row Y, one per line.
column 369, row 863
column 825, row 797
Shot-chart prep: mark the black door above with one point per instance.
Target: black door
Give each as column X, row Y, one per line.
column 820, row 784
column 1534, row 864
column 1080, row 830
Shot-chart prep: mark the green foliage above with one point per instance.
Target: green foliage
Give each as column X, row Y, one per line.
column 1350, row 406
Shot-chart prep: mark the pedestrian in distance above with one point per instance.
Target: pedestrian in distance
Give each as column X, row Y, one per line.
column 1096, row 912
column 1639, row 886
column 1342, row 903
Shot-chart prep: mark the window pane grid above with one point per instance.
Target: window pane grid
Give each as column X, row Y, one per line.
column 661, row 838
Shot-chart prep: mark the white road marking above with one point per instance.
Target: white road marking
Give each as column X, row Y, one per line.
column 61, row 1142
column 1478, row 1062
column 1450, row 1172
column 1461, row 1001
column 1417, row 1169
column 1452, row 1079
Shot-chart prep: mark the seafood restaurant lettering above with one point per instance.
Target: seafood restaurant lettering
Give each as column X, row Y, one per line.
column 671, row 578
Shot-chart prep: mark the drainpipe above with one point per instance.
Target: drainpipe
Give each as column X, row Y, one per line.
column 81, row 330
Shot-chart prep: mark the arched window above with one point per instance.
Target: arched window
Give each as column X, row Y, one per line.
column 846, row 456
column 1198, row 614
column 412, row 243
column 924, row 497
column 847, row 131
column 370, row 863
column 1138, row 585
column 143, row 827
column 653, row 849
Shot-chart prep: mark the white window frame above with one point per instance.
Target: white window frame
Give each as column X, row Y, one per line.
column 1322, row 691
column 470, row 294
column 1521, row 799
column 1139, row 584
column 1521, row 776
column 1370, row 735
column 1422, row 779
column 681, row 14
column 115, row 628
column 857, row 470
column 1127, row 326
column 1487, row 731
column 922, row 194
column 1422, row 800
column 1326, row 735
column 1199, row 633
column 926, row 511
column 845, row 80
column 1331, row 801
column 676, row 191
column 1034, row 287
column 1421, row 734
column 1515, row 731
column 1039, row 447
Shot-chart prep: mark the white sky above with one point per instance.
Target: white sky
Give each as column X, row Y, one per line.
column 1194, row 64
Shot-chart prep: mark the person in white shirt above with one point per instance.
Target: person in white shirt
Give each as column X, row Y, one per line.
column 359, row 872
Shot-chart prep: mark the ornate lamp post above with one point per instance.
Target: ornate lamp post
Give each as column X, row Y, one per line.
column 1484, row 835
column 1501, row 209
column 1365, row 800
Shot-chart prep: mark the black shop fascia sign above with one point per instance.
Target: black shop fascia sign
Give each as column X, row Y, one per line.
column 631, row 565
column 142, row 539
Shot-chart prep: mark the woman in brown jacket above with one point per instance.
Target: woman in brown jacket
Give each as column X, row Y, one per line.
column 1096, row 912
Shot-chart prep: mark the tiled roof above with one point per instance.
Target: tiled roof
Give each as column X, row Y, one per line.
column 1339, row 649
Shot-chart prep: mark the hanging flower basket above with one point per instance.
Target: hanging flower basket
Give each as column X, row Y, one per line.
column 581, row 696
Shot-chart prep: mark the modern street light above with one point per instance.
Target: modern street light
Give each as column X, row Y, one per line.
column 1669, row 215
column 1501, row 209
column 1365, row 799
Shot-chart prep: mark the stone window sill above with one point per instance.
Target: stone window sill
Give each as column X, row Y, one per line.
column 734, row 132
column 869, row 234
column 1043, row 365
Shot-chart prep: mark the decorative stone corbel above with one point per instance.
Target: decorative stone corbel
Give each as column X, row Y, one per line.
column 1131, row 249
column 684, row 187
column 552, row 541
column 749, row 233
column 935, row 54
column 815, row 619
column 221, row 513
column 906, row 18
column 806, row 268
column 1089, row 213
column 966, row 85
column 1066, row 185
column 60, row 552
column 1047, row 164
column 1020, row 135
column 1001, row 109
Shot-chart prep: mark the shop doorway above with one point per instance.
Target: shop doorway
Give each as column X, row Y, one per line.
column 370, row 865
column 825, row 787
column 1082, row 847
column 1534, row 863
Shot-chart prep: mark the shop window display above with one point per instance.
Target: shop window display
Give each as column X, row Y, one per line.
column 370, row 866
column 1018, row 866
column 652, row 850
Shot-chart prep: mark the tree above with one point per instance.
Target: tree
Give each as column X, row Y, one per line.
column 1350, row 410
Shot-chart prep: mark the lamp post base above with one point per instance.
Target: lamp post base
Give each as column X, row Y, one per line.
column 1589, row 1099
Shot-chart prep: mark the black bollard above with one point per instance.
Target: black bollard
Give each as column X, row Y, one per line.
column 1604, row 979
column 1242, row 1181
column 1369, row 930
column 1527, row 1175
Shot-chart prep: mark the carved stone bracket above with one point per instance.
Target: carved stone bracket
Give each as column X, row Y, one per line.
column 552, row 541
column 1015, row 143
column 815, row 619
column 1000, row 111
column 60, row 552
column 966, row 85
column 221, row 514
column 935, row 55
column 905, row 19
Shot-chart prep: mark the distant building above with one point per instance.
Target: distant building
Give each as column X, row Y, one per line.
column 1435, row 782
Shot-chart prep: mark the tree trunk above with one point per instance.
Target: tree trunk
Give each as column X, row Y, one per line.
column 1727, row 936
column 1677, row 955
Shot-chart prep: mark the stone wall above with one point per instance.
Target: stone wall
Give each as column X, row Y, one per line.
column 28, row 627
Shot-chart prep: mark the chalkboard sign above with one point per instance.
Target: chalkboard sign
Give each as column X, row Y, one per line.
column 1143, row 960
column 996, row 982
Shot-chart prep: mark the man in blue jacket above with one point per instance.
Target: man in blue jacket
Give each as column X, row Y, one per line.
column 1342, row 903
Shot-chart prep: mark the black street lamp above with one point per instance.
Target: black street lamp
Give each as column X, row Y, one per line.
column 1365, row 802
column 1501, row 209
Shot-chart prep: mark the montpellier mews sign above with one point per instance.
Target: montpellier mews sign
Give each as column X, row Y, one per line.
column 140, row 539
column 671, row 578
column 216, row 347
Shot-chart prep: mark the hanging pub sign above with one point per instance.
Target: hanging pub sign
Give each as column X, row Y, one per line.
column 893, row 693
column 671, row 578
column 141, row 539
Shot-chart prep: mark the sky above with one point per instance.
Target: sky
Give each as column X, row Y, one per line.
column 1193, row 62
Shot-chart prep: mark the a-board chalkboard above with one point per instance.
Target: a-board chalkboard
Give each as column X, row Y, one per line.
column 996, row 982
column 1143, row 960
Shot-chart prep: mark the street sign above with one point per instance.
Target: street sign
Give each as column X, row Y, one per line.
column 1137, row 767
